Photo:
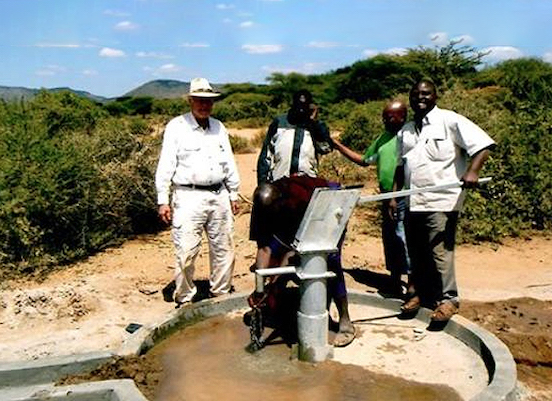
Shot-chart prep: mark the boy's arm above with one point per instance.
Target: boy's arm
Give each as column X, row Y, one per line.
column 349, row 153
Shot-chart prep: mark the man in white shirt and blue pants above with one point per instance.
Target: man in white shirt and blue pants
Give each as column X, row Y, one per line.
column 197, row 166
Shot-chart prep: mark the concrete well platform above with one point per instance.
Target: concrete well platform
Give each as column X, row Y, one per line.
column 462, row 355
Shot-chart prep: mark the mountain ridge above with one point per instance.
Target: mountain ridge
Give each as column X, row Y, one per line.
column 15, row 93
column 158, row 89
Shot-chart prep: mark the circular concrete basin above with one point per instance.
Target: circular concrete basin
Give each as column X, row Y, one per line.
column 462, row 355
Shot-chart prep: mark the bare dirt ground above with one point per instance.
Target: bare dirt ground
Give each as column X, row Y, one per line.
column 506, row 289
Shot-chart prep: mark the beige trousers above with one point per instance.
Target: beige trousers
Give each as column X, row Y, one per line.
column 195, row 211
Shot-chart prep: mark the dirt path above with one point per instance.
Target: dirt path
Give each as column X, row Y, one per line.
column 86, row 307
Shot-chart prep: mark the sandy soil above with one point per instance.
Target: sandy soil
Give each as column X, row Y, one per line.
column 506, row 288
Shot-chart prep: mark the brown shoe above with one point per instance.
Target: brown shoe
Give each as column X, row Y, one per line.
column 444, row 312
column 412, row 305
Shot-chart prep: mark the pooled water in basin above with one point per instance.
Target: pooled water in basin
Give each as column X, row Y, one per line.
column 208, row 361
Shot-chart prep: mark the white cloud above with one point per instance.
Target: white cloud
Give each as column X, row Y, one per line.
column 501, row 53
column 246, row 24
column 442, row 39
column 195, row 45
column 109, row 52
column 398, row 51
column 89, row 72
column 322, row 45
column 223, row 6
column 58, row 45
column 307, row 68
column 262, row 49
column 116, row 13
column 153, row 55
column 164, row 70
column 311, row 68
column 464, row 40
column 50, row 70
column 126, row 26
column 45, row 73
column 439, row 38
column 169, row 68
column 547, row 57
column 369, row 53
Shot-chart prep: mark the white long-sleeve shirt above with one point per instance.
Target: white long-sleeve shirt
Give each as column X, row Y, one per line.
column 193, row 155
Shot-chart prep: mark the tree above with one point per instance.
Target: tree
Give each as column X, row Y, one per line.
column 445, row 65
column 240, row 106
column 282, row 86
column 377, row 78
column 66, row 111
column 529, row 79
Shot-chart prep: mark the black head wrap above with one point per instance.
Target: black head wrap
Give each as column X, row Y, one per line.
column 300, row 111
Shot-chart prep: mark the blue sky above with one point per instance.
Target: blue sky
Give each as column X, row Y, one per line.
column 108, row 47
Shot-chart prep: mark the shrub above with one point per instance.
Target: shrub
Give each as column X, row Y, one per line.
column 170, row 107
column 138, row 126
column 67, row 195
column 65, row 111
column 528, row 79
column 244, row 106
column 363, row 125
column 518, row 198
column 336, row 167
column 241, row 145
column 258, row 139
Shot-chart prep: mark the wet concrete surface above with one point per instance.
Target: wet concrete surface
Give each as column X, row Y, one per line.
column 208, row 361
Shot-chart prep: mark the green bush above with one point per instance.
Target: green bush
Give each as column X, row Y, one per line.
column 65, row 111
column 528, row 79
column 338, row 114
column 518, row 198
column 335, row 167
column 170, row 107
column 67, row 195
column 138, row 126
column 240, row 144
column 363, row 125
column 245, row 106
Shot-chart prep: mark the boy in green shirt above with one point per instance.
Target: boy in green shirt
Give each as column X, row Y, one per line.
column 383, row 153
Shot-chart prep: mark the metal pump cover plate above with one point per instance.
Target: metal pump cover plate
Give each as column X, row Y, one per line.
column 324, row 221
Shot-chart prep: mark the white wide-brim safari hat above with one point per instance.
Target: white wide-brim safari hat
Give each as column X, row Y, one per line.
column 200, row 87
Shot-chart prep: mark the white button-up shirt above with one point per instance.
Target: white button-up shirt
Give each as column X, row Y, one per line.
column 438, row 154
column 193, row 155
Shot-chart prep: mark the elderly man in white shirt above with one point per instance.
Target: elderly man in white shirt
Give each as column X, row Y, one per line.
column 197, row 166
column 438, row 147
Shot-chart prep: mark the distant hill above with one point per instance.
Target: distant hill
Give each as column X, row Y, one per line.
column 161, row 89
column 10, row 93
column 99, row 99
column 158, row 89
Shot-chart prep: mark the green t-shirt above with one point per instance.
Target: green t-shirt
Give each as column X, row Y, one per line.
column 383, row 151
